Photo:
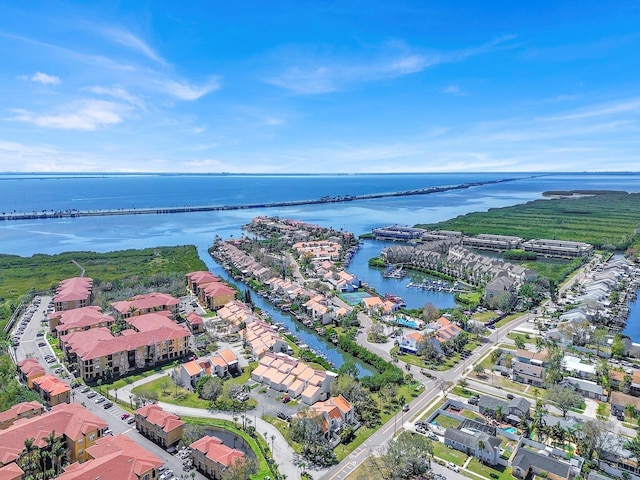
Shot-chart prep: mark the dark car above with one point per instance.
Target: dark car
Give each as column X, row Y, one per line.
column 474, row 400
column 107, row 405
column 281, row 415
column 510, row 396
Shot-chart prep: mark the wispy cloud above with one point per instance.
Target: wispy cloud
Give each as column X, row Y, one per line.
column 454, row 90
column 42, row 78
column 131, row 41
column 185, row 91
column 317, row 73
column 117, row 92
column 87, row 115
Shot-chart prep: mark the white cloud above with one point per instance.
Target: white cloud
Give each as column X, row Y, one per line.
column 454, row 90
column 185, row 91
column 84, row 115
column 42, row 78
column 132, row 42
column 117, row 92
column 317, row 73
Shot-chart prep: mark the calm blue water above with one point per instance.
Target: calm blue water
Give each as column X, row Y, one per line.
column 26, row 193
column 633, row 322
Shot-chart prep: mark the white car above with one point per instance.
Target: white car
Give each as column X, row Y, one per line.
column 453, row 466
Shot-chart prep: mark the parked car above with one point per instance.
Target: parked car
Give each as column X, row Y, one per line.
column 85, row 389
column 510, row 396
column 124, row 416
column 91, row 394
column 131, row 420
column 41, row 344
column 474, row 400
column 453, row 466
column 108, row 431
column 107, row 405
column 281, row 415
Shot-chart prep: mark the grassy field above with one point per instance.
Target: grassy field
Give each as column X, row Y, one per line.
column 166, row 391
column 447, row 454
column 586, row 219
column 446, row 422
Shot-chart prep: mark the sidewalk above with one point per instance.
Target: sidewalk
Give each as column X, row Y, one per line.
column 282, row 453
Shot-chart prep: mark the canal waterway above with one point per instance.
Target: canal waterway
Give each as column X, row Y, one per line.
column 306, row 335
column 632, row 328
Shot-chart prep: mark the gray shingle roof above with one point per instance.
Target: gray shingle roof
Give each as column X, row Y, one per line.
column 526, row 458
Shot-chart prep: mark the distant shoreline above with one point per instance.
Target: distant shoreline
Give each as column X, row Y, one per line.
column 72, row 213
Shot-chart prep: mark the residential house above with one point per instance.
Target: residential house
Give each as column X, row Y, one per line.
column 29, row 369
column 190, row 373
column 211, row 457
column 499, row 287
column 237, row 315
column 319, row 249
column 528, row 366
column 73, row 293
column 147, row 303
column 336, row 413
column 21, row 410
column 78, row 428
column 195, row 323
column 530, row 458
column 262, row 338
column 225, row 363
column 78, row 319
column 619, row 402
column 586, row 388
column 318, row 308
column 510, row 410
column 373, row 304
column 115, row 457
column 52, row 390
column 444, row 330
column 576, row 368
column 162, row 427
column 409, row 342
column 483, row 446
column 616, row 378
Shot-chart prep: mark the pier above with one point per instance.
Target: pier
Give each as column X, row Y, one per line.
column 50, row 214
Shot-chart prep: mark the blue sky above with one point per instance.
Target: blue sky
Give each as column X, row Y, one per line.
column 320, row 86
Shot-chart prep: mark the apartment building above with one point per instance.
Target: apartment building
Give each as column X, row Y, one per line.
column 28, row 370
column 162, row 427
column 148, row 303
column 211, row 457
column 117, row 457
column 52, row 390
column 73, row 293
column 19, row 411
column 75, row 425
column 78, row 319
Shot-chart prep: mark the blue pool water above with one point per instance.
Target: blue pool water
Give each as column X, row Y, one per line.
column 406, row 323
column 510, row 429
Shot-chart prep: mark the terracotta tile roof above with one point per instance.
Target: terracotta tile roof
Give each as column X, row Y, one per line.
column 192, row 368
column 71, row 289
column 155, row 415
column 310, row 391
column 146, row 302
column 20, row 409
column 228, row 355
column 216, row 289
column 373, row 302
column 30, row 367
column 215, row 450
column 152, row 321
column 52, row 385
column 72, row 420
column 194, row 319
column 81, row 318
column 117, row 457
column 202, row 277
column 11, row 471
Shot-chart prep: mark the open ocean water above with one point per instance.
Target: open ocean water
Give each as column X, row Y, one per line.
column 59, row 192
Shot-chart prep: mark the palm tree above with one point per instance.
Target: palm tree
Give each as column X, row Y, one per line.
column 58, row 454
column 498, row 413
column 524, row 425
column 27, row 458
column 481, row 446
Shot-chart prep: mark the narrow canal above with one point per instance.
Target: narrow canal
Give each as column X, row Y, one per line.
column 335, row 355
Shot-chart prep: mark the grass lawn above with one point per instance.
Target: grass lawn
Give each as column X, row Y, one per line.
column 507, row 319
column 447, row 454
column 500, row 472
column 165, row 389
column 446, row 422
column 258, row 444
column 432, row 409
column 462, row 392
column 483, row 317
column 471, row 415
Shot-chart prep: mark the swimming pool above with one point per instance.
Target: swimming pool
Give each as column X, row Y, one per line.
column 513, row 430
column 406, row 323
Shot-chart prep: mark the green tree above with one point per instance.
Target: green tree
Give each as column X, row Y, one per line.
column 241, row 469
column 212, row 389
column 617, row 346
column 406, row 457
column 564, row 398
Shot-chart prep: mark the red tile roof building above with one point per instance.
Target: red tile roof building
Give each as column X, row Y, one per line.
column 78, row 319
column 211, row 457
column 30, row 369
column 75, row 424
column 196, row 280
column 154, row 339
column 117, row 457
column 195, row 323
column 73, row 293
column 11, row 472
column 162, row 427
column 21, row 410
column 52, row 390
column 150, row 302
